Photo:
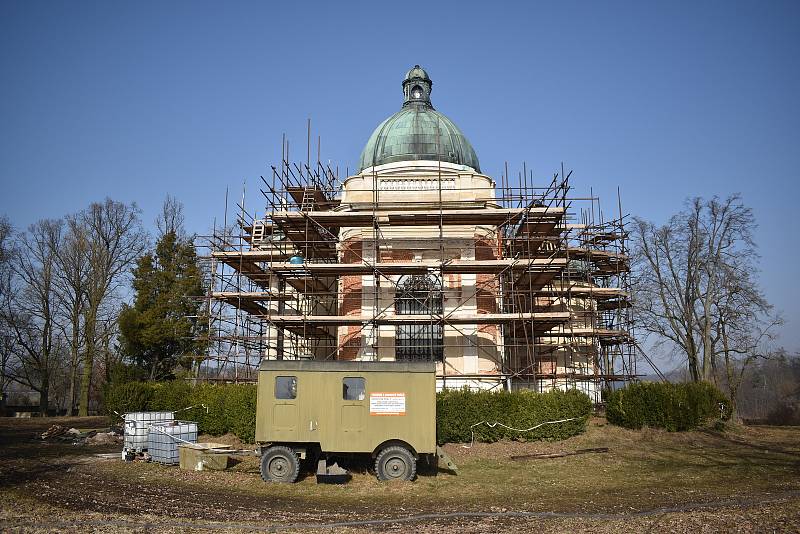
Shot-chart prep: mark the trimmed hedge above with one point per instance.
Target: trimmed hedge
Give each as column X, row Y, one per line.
column 232, row 408
column 675, row 407
column 127, row 397
column 458, row 410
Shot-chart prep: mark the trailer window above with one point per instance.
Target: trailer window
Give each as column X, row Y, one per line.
column 285, row 387
column 353, row 388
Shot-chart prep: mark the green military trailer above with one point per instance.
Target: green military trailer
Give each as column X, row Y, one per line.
column 310, row 410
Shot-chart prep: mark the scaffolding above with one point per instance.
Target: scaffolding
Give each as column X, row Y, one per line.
column 550, row 307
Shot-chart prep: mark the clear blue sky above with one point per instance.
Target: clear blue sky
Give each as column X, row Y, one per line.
column 139, row 99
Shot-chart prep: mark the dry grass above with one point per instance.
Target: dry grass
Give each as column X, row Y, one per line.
column 746, row 470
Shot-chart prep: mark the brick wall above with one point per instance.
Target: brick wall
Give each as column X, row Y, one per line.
column 350, row 342
column 490, row 329
column 396, row 256
column 352, row 290
column 486, row 284
column 486, row 293
column 485, row 249
column 350, row 301
column 351, row 251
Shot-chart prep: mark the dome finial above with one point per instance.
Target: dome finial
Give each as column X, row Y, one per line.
column 417, row 86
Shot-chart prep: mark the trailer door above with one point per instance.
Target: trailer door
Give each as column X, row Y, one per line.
column 352, row 412
column 287, row 394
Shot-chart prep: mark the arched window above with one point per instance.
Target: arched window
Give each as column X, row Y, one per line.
column 419, row 295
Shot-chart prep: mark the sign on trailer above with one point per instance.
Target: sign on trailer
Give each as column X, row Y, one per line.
column 387, row 403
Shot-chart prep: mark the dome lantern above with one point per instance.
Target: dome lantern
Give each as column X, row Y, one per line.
column 417, row 87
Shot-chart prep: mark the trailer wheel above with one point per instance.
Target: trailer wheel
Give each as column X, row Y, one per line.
column 279, row 464
column 395, row 463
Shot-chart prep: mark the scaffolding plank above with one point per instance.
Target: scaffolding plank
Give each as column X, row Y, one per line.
column 472, row 318
column 589, row 332
column 614, row 304
column 308, row 284
column 313, row 197
column 251, row 296
column 595, row 255
column 478, row 216
column 530, row 280
column 597, row 293
column 335, row 269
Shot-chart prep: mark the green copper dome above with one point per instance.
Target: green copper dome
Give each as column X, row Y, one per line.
column 417, row 131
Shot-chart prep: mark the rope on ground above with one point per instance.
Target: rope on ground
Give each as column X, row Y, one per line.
column 494, row 424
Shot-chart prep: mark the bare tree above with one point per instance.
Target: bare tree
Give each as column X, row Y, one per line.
column 29, row 312
column 71, row 284
column 6, row 354
column 116, row 239
column 685, row 272
column 108, row 332
column 744, row 326
column 171, row 217
column 770, row 389
column 6, row 253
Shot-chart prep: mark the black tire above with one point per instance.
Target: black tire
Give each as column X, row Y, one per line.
column 279, row 464
column 395, row 463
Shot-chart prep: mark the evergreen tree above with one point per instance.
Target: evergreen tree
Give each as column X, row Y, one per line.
column 160, row 331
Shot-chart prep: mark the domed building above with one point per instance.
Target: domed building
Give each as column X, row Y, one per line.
column 421, row 256
column 419, row 161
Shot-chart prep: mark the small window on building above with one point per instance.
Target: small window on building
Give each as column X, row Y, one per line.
column 285, row 387
column 353, row 388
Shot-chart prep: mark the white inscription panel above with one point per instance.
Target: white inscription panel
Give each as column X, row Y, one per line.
column 387, row 403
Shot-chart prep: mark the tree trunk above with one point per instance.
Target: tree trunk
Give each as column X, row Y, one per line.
column 47, row 347
column 107, row 355
column 86, row 383
column 734, row 405
column 708, row 357
column 691, row 353
column 73, row 377
column 73, row 370
column 44, row 394
column 88, row 366
column 694, row 369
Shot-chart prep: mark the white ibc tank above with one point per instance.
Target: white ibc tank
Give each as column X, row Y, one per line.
column 164, row 438
column 137, row 425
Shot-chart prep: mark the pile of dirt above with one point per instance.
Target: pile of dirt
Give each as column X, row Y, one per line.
column 103, row 438
column 76, row 437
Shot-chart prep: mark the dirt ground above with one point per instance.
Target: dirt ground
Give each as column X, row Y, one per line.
column 746, row 479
